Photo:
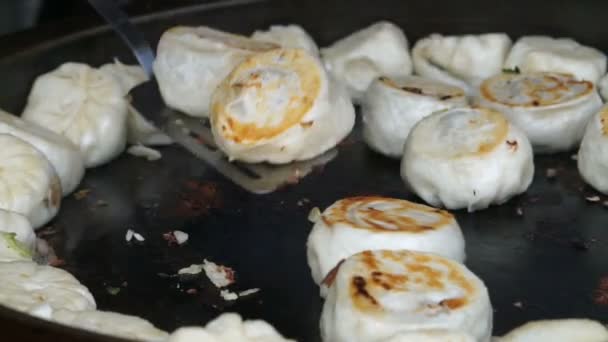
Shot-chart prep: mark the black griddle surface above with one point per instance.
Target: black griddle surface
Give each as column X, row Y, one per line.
column 546, row 263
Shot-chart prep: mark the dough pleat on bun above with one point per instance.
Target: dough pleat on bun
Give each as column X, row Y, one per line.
column 561, row 55
column 30, row 185
column 139, row 129
column 192, row 61
column 462, row 61
column 288, row 36
column 66, row 158
column 41, row 290
column 83, row 104
column 378, row 50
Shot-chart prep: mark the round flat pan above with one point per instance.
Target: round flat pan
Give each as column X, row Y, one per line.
column 542, row 255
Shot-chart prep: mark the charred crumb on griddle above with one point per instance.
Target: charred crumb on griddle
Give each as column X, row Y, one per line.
column 82, row 194
column 535, row 103
column 360, row 284
column 593, row 199
column 445, row 97
column 512, row 145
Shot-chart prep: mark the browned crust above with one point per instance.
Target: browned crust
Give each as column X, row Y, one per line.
column 339, row 211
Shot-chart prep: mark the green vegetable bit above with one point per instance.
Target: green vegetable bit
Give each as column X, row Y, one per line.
column 11, row 242
column 511, row 71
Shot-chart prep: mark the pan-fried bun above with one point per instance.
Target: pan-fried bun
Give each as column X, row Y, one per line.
column 279, row 107
column 552, row 109
column 356, row 224
column 467, row 158
column 375, row 295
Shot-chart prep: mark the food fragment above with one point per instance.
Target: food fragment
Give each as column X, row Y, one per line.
column 551, row 173
column 144, row 152
column 81, row 194
column 248, row 292
column 175, row 237
column 574, row 157
column 192, row 291
column 129, row 235
column 192, row 269
column 518, row 305
column 592, row 199
column 228, row 295
column 220, row 276
column 519, row 211
column 132, row 234
column 180, row 237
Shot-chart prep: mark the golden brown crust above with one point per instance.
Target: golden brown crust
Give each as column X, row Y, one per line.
column 295, row 60
column 495, row 137
column 539, row 89
column 418, row 271
column 374, row 219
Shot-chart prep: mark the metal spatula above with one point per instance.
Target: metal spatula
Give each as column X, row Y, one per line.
column 193, row 133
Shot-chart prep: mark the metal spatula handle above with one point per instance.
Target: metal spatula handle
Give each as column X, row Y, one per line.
column 119, row 21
